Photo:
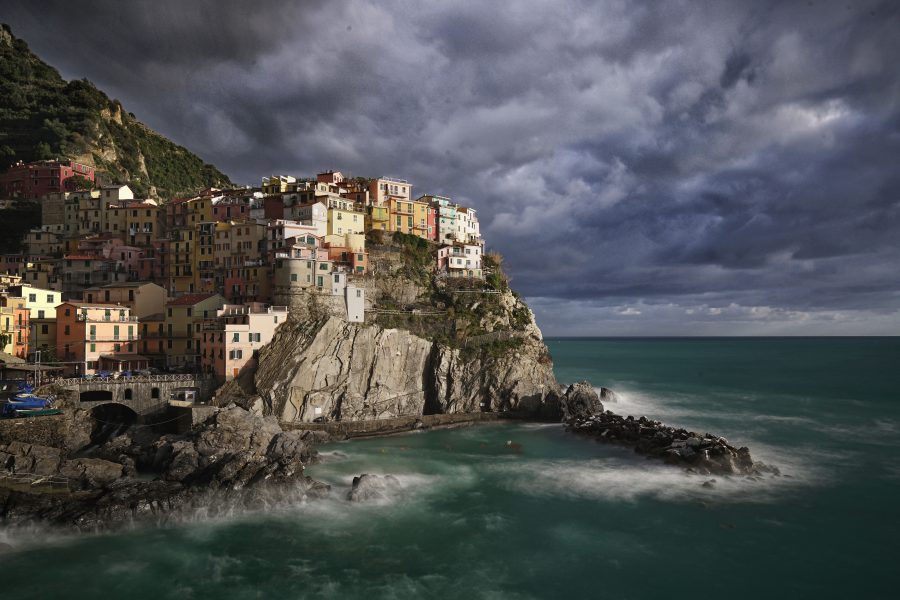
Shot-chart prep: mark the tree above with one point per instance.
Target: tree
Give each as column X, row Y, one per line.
column 80, row 183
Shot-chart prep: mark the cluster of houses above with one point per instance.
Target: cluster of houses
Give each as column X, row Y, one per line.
column 110, row 282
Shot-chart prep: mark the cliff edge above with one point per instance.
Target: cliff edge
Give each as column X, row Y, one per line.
column 430, row 345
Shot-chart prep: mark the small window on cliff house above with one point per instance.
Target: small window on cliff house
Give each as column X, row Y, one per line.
column 128, row 394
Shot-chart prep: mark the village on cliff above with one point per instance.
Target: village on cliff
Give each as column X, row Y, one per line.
column 111, row 284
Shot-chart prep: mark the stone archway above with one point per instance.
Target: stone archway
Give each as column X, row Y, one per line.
column 96, row 396
column 110, row 420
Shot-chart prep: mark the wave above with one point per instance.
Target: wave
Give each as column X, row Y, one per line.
column 620, row 479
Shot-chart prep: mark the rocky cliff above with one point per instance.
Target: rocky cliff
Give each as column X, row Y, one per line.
column 339, row 371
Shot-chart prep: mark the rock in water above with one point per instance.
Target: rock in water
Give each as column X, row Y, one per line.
column 580, row 402
column 372, row 487
column 706, row 454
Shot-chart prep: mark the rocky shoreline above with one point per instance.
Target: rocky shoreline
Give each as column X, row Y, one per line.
column 239, row 458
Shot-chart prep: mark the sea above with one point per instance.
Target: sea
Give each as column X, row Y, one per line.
column 515, row 510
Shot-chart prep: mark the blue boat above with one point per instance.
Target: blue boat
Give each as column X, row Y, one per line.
column 26, row 405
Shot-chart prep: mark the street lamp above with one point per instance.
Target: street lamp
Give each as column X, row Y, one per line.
column 37, row 373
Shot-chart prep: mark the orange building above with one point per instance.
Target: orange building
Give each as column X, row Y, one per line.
column 87, row 333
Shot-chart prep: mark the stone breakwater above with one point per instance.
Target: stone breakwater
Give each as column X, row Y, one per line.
column 705, row 454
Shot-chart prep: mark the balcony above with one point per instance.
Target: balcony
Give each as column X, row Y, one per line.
column 105, row 319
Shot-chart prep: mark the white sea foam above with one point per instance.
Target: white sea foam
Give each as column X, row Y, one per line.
column 629, row 479
column 641, row 404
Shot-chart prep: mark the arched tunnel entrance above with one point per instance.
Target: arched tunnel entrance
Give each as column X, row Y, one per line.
column 96, row 395
column 110, row 420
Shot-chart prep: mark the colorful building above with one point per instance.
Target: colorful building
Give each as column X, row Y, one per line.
column 183, row 318
column 460, row 260
column 230, row 341
column 142, row 297
column 36, row 179
column 86, row 331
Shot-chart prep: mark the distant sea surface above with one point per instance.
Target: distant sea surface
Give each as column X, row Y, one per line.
column 564, row 517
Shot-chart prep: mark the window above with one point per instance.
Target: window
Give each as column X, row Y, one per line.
column 117, row 348
column 293, row 277
column 128, row 393
column 359, row 293
column 32, row 297
column 154, row 393
column 45, row 329
column 93, row 347
column 190, row 311
column 236, row 337
column 66, row 330
column 115, row 332
column 40, row 314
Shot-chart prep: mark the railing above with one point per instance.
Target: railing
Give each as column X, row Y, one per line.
column 32, row 482
column 138, row 379
column 105, row 319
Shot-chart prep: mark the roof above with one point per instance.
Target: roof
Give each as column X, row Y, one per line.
column 189, row 299
column 85, row 257
column 153, row 317
column 100, row 304
column 127, row 284
column 10, row 359
column 123, row 357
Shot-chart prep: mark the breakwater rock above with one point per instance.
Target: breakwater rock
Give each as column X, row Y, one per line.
column 706, row 454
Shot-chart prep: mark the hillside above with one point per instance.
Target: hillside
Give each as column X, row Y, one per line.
column 42, row 116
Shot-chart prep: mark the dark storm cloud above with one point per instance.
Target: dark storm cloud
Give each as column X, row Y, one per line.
column 653, row 167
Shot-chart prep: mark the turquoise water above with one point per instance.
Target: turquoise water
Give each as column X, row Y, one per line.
column 565, row 517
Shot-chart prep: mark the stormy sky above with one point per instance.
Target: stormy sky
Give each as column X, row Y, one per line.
column 646, row 168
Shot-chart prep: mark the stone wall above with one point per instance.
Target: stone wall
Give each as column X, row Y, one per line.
column 44, row 431
column 356, row 429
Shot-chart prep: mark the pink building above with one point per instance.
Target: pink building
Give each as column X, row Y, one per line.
column 36, row 179
column 230, row 342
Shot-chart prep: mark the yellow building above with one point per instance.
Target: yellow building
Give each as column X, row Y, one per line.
column 180, row 257
column 378, row 218
column 402, row 215
column 420, row 225
column 183, row 318
column 41, row 305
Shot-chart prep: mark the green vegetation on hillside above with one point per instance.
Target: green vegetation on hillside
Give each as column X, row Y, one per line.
column 479, row 316
column 44, row 117
column 17, row 219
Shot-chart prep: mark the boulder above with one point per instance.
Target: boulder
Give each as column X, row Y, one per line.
column 19, row 457
column 368, row 487
column 580, row 402
column 91, row 472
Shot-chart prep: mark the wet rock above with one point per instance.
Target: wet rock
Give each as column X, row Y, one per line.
column 233, row 450
column 372, row 487
column 580, row 401
column 91, row 472
column 705, row 454
column 18, row 457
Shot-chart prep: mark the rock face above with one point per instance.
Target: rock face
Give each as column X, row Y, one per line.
column 372, row 487
column 341, row 371
column 705, row 454
column 232, row 451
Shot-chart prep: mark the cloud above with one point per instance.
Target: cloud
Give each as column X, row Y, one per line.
column 730, row 156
